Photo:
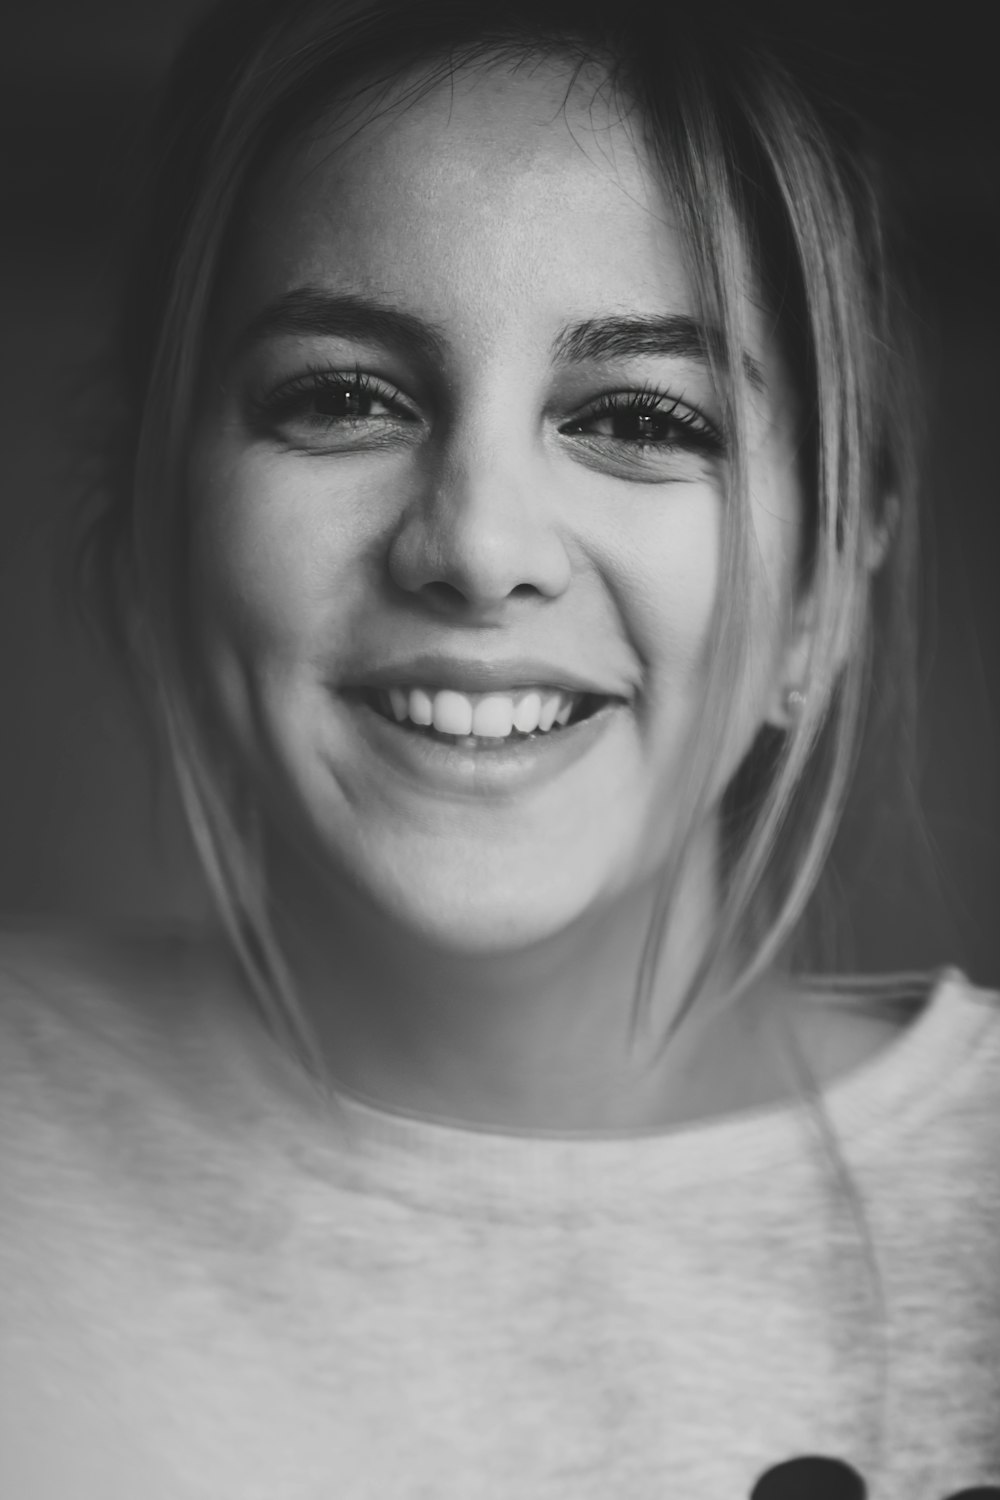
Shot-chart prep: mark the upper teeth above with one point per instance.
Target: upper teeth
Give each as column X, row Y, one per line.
column 493, row 715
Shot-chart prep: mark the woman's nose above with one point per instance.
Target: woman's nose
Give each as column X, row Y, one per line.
column 478, row 533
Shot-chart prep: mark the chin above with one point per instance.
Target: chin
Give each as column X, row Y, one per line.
column 469, row 918
column 456, row 894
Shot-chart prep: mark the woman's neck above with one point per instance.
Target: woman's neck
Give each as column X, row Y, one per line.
column 539, row 1038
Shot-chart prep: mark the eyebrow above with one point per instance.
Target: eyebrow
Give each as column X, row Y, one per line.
column 314, row 311
column 674, row 336
column 310, row 310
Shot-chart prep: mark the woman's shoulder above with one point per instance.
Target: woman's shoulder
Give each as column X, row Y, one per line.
column 867, row 1041
column 120, row 1064
column 907, row 1050
column 75, row 999
column 865, row 1013
column 62, row 966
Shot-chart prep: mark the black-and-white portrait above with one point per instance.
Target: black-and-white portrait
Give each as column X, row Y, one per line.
column 500, row 754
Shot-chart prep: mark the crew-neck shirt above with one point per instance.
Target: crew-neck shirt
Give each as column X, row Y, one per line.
column 215, row 1287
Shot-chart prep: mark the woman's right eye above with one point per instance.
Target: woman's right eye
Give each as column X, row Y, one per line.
column 334, row 409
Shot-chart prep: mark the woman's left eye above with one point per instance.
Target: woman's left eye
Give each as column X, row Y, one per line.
column 646, row 420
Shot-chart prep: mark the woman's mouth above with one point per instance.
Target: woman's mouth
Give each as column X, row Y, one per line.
column 482, row 720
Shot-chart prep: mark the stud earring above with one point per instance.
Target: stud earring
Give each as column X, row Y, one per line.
column 795, row 702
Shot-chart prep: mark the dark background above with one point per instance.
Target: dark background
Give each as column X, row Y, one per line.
column 81, row 835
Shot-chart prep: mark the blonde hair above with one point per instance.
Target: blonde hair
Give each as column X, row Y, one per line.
column 764, row 172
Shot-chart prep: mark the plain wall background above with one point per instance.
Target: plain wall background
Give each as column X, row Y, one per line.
column 81, row 835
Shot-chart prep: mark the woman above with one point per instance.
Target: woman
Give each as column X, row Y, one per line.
column 514, row 512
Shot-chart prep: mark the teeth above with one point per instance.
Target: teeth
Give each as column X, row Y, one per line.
column 494, row 716
column 551, row 704
column 420, row 707
column 452, row 713
column 526, row 711
column 484, row 715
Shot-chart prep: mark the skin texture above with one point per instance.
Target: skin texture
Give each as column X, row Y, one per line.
column 468, row 950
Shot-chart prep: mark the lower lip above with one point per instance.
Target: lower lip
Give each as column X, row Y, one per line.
column 500, row 766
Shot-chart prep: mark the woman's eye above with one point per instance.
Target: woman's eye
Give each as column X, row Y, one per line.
column 632, row 426
column 347, row 401
column 333, row 409
column 646, row 422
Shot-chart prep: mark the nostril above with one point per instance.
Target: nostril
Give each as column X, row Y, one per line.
column 444, row 593
column 449, row 601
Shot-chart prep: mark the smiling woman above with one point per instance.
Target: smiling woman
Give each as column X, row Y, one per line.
column 515, row 518
column 464, row 487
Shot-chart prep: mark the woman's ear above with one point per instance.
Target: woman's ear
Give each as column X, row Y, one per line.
column 880, row 535
column 791, row 686
column 798, row 676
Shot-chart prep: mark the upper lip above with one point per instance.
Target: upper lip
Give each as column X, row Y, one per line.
column 478, row 676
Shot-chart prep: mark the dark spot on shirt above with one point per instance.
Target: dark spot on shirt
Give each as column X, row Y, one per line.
column 814, row 1478
column 810, row 1479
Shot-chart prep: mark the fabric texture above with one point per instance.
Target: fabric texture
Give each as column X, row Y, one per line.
column 211, row 1288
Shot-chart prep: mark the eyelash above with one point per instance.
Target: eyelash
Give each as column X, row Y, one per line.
column 692, row 430
column 292, row 399
column 689, row 428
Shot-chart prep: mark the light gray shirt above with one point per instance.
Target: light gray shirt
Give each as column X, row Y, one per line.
column 213, row 1288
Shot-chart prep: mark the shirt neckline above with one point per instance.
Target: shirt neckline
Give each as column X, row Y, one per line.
column 468, row 1170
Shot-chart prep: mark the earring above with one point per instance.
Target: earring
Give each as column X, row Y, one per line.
column 795, row 702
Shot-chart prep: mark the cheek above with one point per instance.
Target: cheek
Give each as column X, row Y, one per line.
column 274, row 566
column 667, row 574
column 274, row 555
column 670, row 575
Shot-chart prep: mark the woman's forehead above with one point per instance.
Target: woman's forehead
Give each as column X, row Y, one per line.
column 488, row 166
column 480, row 141
column 516, row 196
column 500, row 98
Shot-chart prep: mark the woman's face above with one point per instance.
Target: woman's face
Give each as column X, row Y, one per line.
column 460, row 460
